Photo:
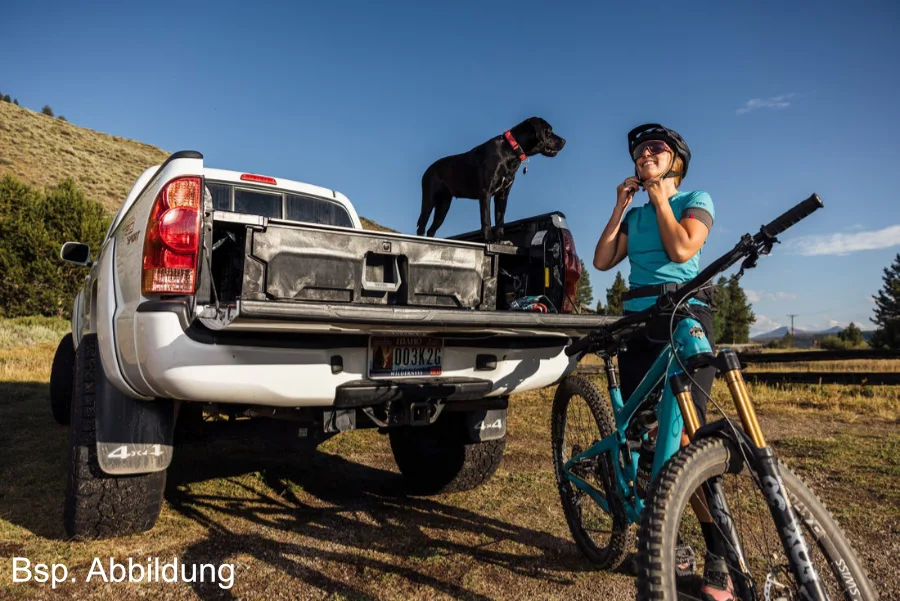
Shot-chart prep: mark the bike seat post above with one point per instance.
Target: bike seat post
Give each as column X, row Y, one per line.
column 612, row 379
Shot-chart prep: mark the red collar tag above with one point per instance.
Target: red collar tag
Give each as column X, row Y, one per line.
column 515, row 145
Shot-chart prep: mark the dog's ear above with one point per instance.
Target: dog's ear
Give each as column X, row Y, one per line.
column 542, row 129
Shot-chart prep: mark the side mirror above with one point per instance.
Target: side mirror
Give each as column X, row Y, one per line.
column 76, row 252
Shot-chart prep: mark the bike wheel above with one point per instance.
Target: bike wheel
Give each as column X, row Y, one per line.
column 666, row 523
column 581, row 417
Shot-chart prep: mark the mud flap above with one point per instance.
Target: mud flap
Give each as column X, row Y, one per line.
column 133, row 436
column 488, row 424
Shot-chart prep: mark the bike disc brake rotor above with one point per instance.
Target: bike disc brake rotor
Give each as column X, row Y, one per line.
column 775, row 589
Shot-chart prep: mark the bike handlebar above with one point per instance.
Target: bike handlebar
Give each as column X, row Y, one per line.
column 745, row 248
column 799, row 211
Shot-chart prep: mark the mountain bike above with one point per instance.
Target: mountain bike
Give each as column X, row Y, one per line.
column 622, row 463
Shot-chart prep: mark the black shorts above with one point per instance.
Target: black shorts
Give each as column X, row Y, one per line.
column 644, row 347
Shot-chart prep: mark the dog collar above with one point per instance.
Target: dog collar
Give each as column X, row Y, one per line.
column 515, row 145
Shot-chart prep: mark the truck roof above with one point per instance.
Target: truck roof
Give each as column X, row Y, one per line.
column 284, row 184
column 234, row 177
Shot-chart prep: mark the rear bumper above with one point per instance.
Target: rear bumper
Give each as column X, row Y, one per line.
column 179, row 359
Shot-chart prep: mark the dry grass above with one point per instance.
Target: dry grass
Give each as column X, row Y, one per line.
column 42, row 151
column 851, row 403
column 342, row 528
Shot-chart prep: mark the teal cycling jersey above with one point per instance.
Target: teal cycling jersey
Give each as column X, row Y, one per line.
column 650, row 264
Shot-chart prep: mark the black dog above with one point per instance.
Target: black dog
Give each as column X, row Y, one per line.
column 485, row 171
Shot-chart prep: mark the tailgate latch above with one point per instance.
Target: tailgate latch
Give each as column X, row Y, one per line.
column 376, row 265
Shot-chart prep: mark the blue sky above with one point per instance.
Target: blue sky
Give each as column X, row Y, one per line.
column 776, row 102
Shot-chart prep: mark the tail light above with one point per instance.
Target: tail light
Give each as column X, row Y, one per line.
column 172, row 243
column 572, row 266
column 260, row 179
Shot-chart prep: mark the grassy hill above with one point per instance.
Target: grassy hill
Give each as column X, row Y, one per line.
column 42, row 150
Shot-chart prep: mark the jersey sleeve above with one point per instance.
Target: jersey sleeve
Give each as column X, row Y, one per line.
column 699, row 206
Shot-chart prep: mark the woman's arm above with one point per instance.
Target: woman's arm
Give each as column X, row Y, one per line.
column 681, row 239
column 613, row 243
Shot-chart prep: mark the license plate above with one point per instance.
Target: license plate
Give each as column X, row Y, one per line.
column 395, row 356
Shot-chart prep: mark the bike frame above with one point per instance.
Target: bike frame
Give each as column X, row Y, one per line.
column 690, row 340
column 675, row 413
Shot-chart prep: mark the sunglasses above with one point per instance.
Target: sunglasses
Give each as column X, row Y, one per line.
column 655, row 146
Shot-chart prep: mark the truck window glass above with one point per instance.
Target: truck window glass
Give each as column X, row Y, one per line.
column 252, row 202
column 221, row 195
column 316, row 210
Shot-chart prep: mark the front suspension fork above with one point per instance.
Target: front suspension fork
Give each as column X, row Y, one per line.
column 711, row 507
column 766, row 468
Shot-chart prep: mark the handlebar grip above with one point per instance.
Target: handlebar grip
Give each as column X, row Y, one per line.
column 800, row 211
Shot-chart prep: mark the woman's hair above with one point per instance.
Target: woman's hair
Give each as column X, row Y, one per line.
column 678, row 165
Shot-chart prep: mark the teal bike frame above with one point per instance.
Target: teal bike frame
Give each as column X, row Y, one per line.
column 690, row 340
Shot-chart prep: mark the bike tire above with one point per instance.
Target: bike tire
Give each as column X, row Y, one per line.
column 709, row 458
column 606, row 554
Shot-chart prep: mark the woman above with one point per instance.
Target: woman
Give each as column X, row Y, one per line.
column 663, row 240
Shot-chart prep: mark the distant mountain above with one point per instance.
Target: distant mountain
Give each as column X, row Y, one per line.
column 777, row 333
column 804, row 338
column 780, row 332
column 834, row 330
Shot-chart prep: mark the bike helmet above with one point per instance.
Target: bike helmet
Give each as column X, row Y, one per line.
column 655, row 131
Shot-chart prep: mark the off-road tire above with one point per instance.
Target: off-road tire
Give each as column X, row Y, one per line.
column 100, row 505
column 441, row 458
column 681, row 476
column 61, row 375
column 621, row 541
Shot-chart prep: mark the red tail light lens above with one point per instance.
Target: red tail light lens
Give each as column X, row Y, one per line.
column 261, row 179
column 573, row 271
column 172, row 244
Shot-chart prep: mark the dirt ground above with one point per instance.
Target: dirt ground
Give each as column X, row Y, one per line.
column 341, row 527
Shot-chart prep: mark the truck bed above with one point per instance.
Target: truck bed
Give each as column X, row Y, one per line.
column 267, row 270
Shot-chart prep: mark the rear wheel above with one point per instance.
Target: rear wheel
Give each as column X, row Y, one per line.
column 61, row 376
column 100, row 505
column 441, row 458
column 580, row 417
column 667, row 524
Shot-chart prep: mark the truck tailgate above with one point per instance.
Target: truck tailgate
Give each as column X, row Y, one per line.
column 284, row 261
column 279, row 275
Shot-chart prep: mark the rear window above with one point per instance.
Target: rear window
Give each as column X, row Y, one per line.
column 257, row 203
column 316, row 210
column 278, row 205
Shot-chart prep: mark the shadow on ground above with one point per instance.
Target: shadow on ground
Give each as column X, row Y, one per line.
column 328, row 523
column 357, row 520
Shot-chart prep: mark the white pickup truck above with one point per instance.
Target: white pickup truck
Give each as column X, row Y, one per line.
column 224, row 292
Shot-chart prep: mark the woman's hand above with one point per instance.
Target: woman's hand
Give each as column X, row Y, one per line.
column 625, row 192
column 655, row 190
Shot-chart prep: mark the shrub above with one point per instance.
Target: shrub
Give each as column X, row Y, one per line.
column 834, row 343
column 33, row 227
column 47, row 110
